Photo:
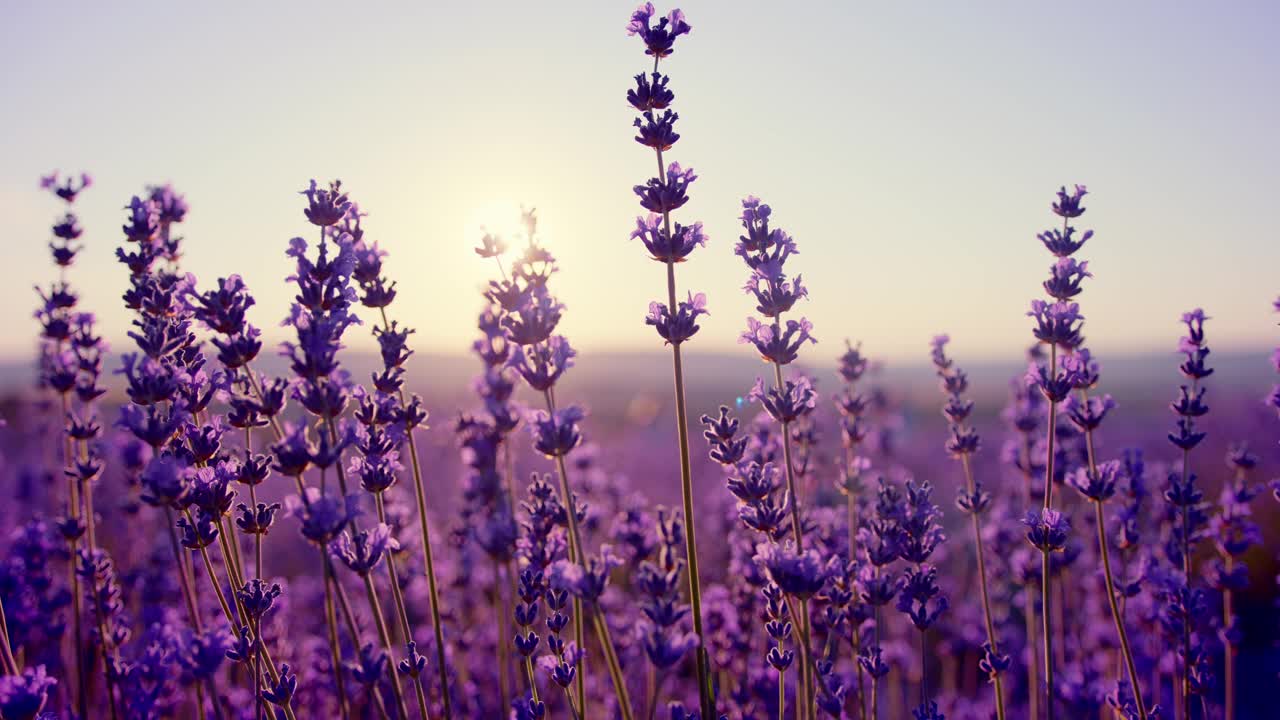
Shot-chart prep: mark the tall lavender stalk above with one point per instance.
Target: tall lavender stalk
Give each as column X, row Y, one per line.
column 1186, row 498
column 62, row 372
column 408, row 415
column 1096, row 481
column 765, row 251
column 170, row 394
column 1234, row 533
column 973, row 500
column 669, row 244
column 1058, row 326
column 853, row 407
column 541, row 357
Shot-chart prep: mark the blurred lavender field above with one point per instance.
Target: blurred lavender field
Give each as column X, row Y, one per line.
column 345, row 517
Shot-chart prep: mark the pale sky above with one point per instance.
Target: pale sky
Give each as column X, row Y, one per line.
column 912, row 149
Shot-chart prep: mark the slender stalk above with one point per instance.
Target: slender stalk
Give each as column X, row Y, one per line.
column 335, row 657
column 397, row 595
column 578, row 554
column 533, row 680
column 10, row 664
column 385, row 636
column 1047, row 629
column 231, row 619
column 875, row 679
column 86, row 495
column 73, row 512
column 706, row 698
column 1116, row 615
column 982, row 582
column 1186, row 574
column 797, row 528
column 184, row 577
column 500, row 609
column 924, row 670
column 425, row 533
column 1046, row 624
column 782, row 695
column 1229, row 661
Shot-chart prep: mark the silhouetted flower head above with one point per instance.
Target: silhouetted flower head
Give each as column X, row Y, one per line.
column 659, row 39
column 1068, row 203
column 67, row 188
column 650, row 92
column 325, row 207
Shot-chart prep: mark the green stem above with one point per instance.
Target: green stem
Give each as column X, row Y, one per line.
column 425, row 535
column 385, row 636
column 982, row 581
column 577, row 554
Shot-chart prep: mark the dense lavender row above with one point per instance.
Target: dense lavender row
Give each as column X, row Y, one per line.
column 150, row 571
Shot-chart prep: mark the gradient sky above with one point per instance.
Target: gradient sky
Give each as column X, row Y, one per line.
column 912, row 149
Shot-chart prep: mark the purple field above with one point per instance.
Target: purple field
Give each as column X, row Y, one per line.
column 363, row 522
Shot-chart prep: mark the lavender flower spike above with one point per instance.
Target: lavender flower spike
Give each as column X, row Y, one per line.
column 671, row 242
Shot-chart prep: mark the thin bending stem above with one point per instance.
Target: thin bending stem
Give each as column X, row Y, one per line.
column 385, row 636
column 578, row 554
column 702, row 660
column 982, row 581
column 1100, row 520
column 425, row 535
column 1046, row 623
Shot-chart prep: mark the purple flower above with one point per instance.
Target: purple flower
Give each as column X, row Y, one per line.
column 534, row 319
column 775, row 346
column 1087, row 415
column 22, row 697
column 800, row 574
column 587, row 583
column 665, row 246
column 326, row 207
column 1068, row 204
column 365, row 550
column 491, row 246
column 786, row 404
column 1057, row 323
column 657, row 131
column 556, row 433
column 921, row 599
column 72, row 186
column 542, row 365
column 1063, row 243
column 143, row 223
column 1098, row 485
column 1047, row 529
column 1065, row 277
column 663, row 195
column 323, row 517
column 650, row 94
column 684, row 325
column 659, row 40
column 280, row 693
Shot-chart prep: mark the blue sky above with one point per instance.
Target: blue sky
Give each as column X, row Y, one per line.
column 912, row 149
